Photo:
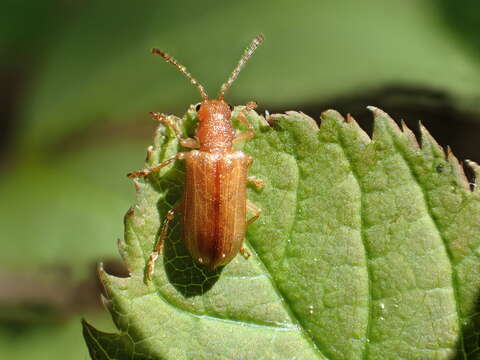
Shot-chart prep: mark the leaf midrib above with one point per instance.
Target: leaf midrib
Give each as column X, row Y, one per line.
column 295, row 318
column 286, row 306
column 206, row 315
column 341, row 144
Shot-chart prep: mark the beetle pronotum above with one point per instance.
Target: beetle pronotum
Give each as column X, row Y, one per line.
column 214, row 205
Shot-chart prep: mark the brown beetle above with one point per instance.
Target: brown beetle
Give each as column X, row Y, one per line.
column 214, row 205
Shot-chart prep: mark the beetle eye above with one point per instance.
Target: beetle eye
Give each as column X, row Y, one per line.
column 197, row 107
column 231, row 107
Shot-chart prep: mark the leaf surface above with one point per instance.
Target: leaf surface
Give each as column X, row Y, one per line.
column 366, row 249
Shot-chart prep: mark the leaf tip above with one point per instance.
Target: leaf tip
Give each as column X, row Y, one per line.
column 88, row 333
column 457, row 168
column 263, row 119
column 476, row 171
column 303, row 117
column 332, row 115
column 272, row 118
column 106, row 302
column 409, row 134
column 428, row 142
column 376, row 111
column 128, row 215
column 101, row 272
column 473, row 165
column 383, row 122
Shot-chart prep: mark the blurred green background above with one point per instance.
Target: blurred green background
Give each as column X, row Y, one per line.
column 77, row 82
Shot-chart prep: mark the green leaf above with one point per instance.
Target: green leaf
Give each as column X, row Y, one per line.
column 366, row 249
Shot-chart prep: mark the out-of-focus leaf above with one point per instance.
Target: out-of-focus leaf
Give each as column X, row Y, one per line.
column 464, row 20
column 59, row 341
column 102, row 68
column 366, row 249
column 24, row 24
column 62, row 213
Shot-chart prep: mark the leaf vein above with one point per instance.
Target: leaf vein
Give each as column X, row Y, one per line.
column 355, row 175
column 288, row 308
column 454, row 275
column 98, row 343
column 292, row 314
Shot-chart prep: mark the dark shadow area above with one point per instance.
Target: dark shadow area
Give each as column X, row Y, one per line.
column 435, row 109
column 189, row 278
column 116, row 268
column 11, row 82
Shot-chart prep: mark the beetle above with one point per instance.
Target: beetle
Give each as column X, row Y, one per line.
column 214, row 204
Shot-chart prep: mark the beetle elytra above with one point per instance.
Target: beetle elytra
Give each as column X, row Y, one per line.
column 214, row 205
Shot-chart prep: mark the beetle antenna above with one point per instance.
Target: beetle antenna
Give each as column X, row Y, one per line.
column 183, row 70
column 243, row 60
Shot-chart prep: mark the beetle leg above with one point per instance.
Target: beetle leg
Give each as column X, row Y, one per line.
column 165, row 120
column 254, row 181
column 242, row 117
column 256, row 213
column 150, row 268
column 244, row 252
column 251, row 207
column 148, row 171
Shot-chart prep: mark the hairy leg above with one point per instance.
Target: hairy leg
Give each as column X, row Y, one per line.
column 168, row 122
column 148, row 171
column 150, row 268
column 242, row 117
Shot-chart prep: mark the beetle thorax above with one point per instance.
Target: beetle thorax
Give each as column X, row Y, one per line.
column 215, row 131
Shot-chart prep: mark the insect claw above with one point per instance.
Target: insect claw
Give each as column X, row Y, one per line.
column 245, row 253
